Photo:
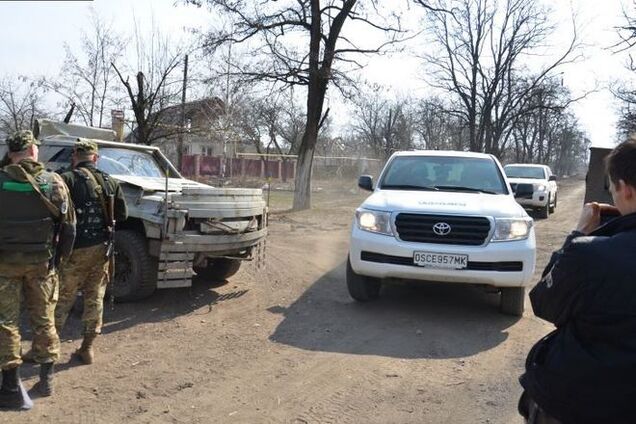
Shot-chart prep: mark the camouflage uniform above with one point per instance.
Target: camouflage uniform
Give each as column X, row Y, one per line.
column 87, row 269
column 40, row 288
column 30, row 275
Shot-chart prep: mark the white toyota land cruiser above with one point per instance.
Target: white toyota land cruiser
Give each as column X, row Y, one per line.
column 442, row 216
column 534, row 186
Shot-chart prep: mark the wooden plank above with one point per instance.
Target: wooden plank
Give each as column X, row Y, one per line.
column 167, row 265
column 170, row 284
column 173, row 274
column 171, row 256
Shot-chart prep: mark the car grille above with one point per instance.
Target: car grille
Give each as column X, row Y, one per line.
column 527, row 188
column 510, row 266
column 464, row 230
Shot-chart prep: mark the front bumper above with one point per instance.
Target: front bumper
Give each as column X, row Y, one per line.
column 538, row 200
column 178, row 254
column 496, row 264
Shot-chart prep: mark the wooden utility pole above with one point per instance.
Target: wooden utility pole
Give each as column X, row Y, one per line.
column 183, row 117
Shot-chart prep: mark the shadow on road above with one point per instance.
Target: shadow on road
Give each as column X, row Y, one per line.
column 408, row 321
column 163, row 305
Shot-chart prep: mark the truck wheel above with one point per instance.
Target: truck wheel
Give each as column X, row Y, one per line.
column 218, row 270
column 554, row 204
column 544, row 212
column 362, row 288
column 512, row 300
column 135, row 270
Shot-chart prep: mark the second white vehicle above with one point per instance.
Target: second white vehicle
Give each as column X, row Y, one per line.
column 442, row 216
column 534, row 186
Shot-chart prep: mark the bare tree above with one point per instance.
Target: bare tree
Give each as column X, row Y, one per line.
column 87, row 78
column 624, row 91
column 296, row 43
column 547, row 132
column 439, row 129
column 384, row 125
column 480, row 59
column 21, row 102
column 156, row 86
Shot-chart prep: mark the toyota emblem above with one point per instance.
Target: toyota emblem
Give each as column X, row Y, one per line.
column 441, row 228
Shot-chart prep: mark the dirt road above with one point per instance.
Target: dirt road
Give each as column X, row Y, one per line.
column 287, row 344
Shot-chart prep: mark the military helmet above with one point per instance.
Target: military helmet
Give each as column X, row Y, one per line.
column 85, row 146
column 21, row 140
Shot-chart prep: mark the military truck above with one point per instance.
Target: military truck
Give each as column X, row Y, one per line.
column 177, row 229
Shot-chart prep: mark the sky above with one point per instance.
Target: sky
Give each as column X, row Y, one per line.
column 33, row 34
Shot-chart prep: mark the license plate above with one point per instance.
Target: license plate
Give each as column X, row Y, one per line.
column 440, row 260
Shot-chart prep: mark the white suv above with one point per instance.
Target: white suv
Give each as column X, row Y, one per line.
column 534, row 186
column 442, row 216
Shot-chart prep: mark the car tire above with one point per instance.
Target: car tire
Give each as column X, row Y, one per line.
column 512, row 301
column 554, row 204
column 361, row 288
column 135, row 270
column 218, row 270
column 544, row 212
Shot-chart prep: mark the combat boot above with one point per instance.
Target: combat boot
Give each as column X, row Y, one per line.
column 12, row 394
column 45, row 385
column 85, row 353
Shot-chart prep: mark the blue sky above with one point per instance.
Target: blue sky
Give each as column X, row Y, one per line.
column 33, row 33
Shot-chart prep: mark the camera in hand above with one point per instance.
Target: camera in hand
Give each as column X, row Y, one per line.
column 608, row 214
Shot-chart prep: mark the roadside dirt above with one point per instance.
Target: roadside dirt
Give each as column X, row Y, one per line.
column 286, row 344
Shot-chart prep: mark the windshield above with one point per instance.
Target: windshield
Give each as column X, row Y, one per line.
column 524, row 172
column 443, row 173
column 136, row 163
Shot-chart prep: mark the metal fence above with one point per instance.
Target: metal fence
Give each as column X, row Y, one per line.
column 275, row 167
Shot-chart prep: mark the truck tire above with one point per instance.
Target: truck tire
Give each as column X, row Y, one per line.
column 135, row 270
column 544, row 212
column 218, row 270
column 512, row 300
column 361, row 288
column 554, row 204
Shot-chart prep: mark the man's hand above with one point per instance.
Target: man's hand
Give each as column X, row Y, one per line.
column 590, row 218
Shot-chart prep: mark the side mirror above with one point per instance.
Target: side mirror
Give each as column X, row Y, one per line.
column 552, row 178
column 365, row 182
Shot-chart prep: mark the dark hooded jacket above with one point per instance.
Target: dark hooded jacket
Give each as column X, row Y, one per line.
column 585, row 370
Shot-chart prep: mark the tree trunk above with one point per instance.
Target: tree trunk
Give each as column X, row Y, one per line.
column 302, row 192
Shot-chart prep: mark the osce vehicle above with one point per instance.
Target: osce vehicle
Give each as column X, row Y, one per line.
column 177, row 229
column 534, row 186
column 442, row 216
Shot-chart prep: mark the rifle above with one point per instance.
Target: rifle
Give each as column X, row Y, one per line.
column 110, row 250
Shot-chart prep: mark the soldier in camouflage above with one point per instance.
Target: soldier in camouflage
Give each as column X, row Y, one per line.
column 88, row 267
column 37, row 229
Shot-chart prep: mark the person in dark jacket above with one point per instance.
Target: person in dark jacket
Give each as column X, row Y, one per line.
column 585, row 370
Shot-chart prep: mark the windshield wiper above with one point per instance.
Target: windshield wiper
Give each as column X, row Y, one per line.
column 408, row 187
column 462, row 188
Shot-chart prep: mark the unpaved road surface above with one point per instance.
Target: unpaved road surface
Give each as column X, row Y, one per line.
column 286, row 344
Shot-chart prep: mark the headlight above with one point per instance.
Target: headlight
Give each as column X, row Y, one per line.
column 374, row 221
column 509, row 229
column 540, row 187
